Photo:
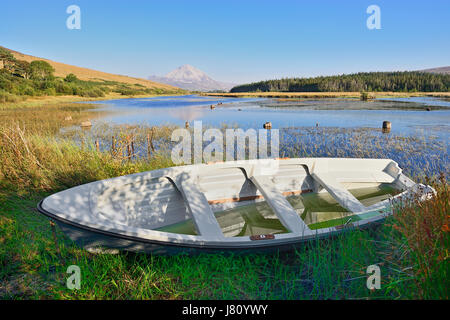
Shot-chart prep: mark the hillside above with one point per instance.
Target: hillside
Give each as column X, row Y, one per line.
column 23, row 76
column 62, row 70
column 441, row 70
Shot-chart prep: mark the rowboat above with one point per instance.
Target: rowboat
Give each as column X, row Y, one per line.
column 244, row 205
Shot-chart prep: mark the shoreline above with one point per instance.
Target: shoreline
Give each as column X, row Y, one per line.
column 49, row 100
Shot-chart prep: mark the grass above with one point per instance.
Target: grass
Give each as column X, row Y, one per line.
column 37, row 159
column 327, row 269
column 426, row 234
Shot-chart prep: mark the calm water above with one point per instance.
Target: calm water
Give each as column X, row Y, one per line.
column 408, row 115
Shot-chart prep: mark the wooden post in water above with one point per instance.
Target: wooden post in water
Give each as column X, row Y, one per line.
column 128, row 148
column 151, row 140
column 97, row 145
column 113, row 144
column 148, row 146
column 386, row 126
column 267, row 125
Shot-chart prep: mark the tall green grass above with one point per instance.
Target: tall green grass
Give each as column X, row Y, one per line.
column 326, row 269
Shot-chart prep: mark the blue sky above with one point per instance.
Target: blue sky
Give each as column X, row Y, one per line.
column 236, row 41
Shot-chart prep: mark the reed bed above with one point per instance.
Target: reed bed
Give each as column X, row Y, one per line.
column 39, row 157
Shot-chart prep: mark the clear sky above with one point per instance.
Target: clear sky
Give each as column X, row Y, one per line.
column 235, row 40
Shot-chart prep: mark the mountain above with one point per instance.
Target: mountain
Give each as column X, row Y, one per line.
column 441, row 70
column 62, row 70
column 190, row 78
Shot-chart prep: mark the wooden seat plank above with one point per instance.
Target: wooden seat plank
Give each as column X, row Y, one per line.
column 282, row 208
column 338, row 192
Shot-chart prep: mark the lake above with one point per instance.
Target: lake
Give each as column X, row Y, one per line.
column 407, row 115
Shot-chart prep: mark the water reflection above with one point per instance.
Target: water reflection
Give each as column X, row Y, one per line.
column 407, row 115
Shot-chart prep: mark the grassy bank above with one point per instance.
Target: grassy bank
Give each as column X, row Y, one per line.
column 36, row 160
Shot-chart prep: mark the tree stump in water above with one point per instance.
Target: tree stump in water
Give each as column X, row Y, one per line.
column 386, row 126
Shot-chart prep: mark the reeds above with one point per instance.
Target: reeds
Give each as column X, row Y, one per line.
column 424, row 227
column 35, row 162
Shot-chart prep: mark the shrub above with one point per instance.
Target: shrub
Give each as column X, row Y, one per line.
column 41, row 70
column 92, row 93
column 70, row 78
column 29, row 91
column 50, row 92
column 64, row 88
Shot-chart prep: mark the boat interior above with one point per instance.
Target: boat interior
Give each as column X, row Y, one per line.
column 251, row 198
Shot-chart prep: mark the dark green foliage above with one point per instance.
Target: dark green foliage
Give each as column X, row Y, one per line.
column 7, row 59
column 22, row 69
column 70, row 78
column 367, row 81
column 41, row 70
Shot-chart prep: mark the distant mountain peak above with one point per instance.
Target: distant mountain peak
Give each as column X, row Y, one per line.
column 187, row 73
column 190, row 78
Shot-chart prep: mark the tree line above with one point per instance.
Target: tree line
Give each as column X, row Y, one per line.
column 406, row 81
